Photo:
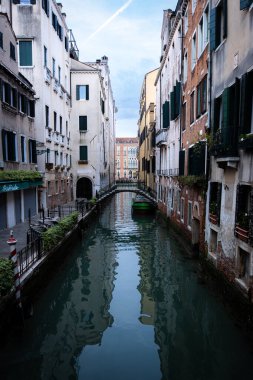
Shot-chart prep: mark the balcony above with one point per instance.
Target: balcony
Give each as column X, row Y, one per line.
column 48, row 135
column 67, row 98
column 47, row 75
column 56, row 85
column 56, row 138
column 49, row 165
column 161, row 137
column 61, row 93
column 62, row 140
column 242, row 233
column 225, row 148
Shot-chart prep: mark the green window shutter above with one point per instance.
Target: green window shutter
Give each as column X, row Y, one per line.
column 77, row 92
column 4, row 144
column 225, row 117
column 216, row 114
column 213, row 19
column 83, row 153
column 166, row 120
column 178, row 98
column 25, row 53
column 87, row 92
column 32, row 108
column 199, row 100
column 34, row 152
column 225, row 18
column 1, row 40
column 172, row 106
column 82, row 123
column 245, row 104
column 244, row 4
column 181, row 162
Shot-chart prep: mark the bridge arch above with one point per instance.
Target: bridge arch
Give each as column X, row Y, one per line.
column 84, row 188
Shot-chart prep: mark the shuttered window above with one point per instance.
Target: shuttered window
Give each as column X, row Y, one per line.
column 83, row 153
column 25, row 53
column 166, row 115
column 23, row 149
column 181, row 162
column 1, row 40
column 32, row 152
column 218, row 24
column 45, row 6
column 82, row 123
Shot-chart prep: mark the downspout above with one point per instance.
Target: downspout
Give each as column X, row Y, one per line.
column 209, row 74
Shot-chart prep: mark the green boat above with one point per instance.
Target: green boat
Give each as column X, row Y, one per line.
column 142, row 203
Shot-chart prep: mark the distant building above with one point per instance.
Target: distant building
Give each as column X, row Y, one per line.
column 126, row 151
column 93, row 127
column 18, row 199
column 147, row 130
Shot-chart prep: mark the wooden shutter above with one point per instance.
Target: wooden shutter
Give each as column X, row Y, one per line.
column 34, row 153
column 245, row 104
column 225, row 117
column 33, row 2
column 172, row 105
column 16, row 1
column 32, row 108
column 77, row 92
column 181, row 162
column 225, row 18
column 213, row 31
column 177, row 98
column 4, row 144
column 244, row 4
column 87, row 92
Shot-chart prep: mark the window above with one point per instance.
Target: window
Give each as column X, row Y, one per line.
column 55, row 121
column 45, row 6
column 82, row 92
column 26, row 2
column 200, row 37
column 59, row 74
column 53, row 67
column 192, row 115
column 59, row 31
column 202, row 97
column 66, row 43
column 189, row 216
column 47, row 116
column 244, row 4
column 12, row 52
column 186, row 22
column 56, row 187
column 45, row 56
column 185, row 66
column 48, row 187
column 60, row 125
column 218, row 24
column 54, row 21
column 194, row 53
column 82, row 123
column 32, row 152
column 23, row 148
column 205, row 25
column 23, row 103
column 184, row 117
column 55, row 157
column 83, row 153
column 31, row 108
column 25, row 53
column 9, row 145
column 1, row 40
column 182, row 209
column 194, row 2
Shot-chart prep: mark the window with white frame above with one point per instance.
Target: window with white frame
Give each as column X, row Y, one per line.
column 185, row 66
column 200, row 37
column 186, row 22
column 194, row 52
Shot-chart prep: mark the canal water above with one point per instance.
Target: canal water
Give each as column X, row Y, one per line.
column 127, row 304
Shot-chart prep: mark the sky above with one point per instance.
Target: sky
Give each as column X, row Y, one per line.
column 128, row 33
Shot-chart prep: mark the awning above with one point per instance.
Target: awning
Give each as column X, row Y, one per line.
column 6, row 186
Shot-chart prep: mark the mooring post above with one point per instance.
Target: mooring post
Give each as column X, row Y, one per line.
column 13, row 256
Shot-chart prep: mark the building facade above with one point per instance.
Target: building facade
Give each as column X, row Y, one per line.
column 93, row 127
column 168, row 101
column 194, row 122
column 44, row 51
column 126, row 156
column 229, row 220
column 19, row 180
column 146, row 131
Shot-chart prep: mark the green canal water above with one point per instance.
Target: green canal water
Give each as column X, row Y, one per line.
column 127, row 304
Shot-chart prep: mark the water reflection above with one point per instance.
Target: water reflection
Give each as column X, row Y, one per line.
column 126, row 304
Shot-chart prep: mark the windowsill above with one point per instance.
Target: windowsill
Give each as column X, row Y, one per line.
column 189, row 228
column 26, row 67
column 212, row 256
column 9, row 108
column 31, row 118
column 83, row 131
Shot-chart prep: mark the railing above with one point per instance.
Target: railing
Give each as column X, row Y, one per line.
column 47, row 75
column 161, row 137
column 29, row 255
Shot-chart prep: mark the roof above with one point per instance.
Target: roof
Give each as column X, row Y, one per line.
column 127, row 140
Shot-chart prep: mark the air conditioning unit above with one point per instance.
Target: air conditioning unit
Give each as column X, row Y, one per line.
column 1, row 164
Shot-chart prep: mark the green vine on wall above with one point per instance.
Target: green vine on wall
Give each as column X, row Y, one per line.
column 6, row 276
column 193, row 180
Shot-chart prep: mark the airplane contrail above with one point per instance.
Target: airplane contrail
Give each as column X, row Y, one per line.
column 110, row 19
